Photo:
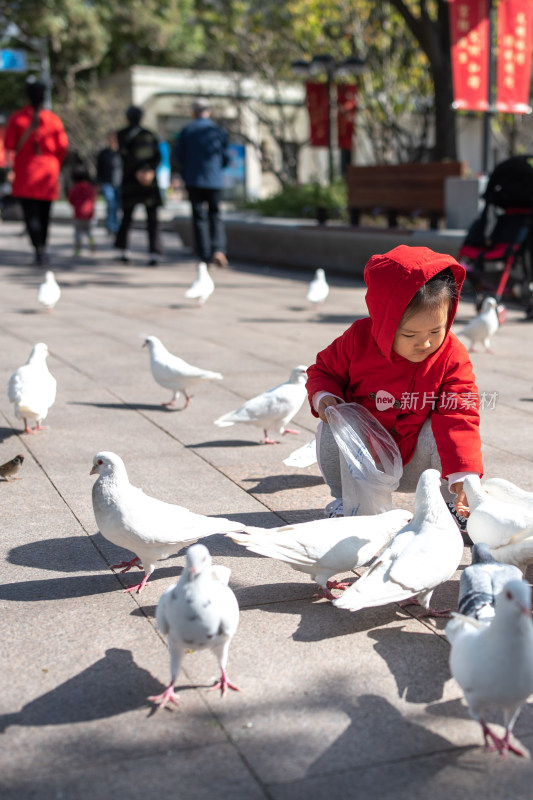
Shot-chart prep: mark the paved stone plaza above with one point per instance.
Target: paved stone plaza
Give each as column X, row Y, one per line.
column 333, row 704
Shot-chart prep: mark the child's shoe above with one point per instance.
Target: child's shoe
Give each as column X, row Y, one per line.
column 461, row 524
column 334, row 509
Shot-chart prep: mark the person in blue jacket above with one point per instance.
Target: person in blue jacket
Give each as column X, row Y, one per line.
column 201, row 153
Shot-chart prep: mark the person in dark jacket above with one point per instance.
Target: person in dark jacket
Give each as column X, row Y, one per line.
column 201, row 152
column 139, row 150
column 109, row 178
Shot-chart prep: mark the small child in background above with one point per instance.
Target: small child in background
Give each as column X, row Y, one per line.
column 406, row 367
column 82, row 197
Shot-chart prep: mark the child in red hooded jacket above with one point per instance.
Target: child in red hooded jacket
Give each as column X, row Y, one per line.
column 82, row 197
column 408, row 369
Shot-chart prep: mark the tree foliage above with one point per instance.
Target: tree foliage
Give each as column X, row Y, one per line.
column 396, row 99
column 83, row 37
column 405, row 42
column 429, row 23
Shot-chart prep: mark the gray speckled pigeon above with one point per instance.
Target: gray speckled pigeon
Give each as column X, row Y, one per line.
column 493, row 663
column 482, row 582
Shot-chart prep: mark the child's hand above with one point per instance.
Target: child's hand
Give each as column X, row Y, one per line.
column 461, row 503
column 327, row 400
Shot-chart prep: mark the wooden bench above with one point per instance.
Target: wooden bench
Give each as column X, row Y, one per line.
column 415, row 189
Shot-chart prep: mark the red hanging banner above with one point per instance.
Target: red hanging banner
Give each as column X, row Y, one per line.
column 2, row 148
column 515, row 31
column 346, row 108
column 469, row 34
column 316, row 95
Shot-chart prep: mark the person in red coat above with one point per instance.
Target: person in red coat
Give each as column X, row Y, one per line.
column 38, row 140
column 408, row 369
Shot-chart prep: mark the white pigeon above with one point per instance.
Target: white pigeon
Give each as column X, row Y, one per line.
column 423, row 554
column 318, row 289
column 33, row 389
column 483, row 326
column 199, row 612
column 509, row 492
column 151, row 528
column 302, row 457
column 272, row 409
column 49, row 291
column 202, row 287
column 173, row 372
column 325, row 547
column 494, row 521
column 481, row 582
column 493, row 663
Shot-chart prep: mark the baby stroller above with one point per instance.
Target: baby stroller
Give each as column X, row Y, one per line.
column 498, row 249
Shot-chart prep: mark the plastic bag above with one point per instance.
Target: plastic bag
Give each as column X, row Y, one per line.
column 373, row 463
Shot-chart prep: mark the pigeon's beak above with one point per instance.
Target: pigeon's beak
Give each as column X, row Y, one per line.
column 525, row 610
column 192, row 570
column 93, row 471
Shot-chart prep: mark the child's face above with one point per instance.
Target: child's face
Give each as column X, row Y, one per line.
column 421, row 334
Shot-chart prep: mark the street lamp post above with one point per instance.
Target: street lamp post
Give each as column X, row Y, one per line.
column 326, row 63
column 487, row 117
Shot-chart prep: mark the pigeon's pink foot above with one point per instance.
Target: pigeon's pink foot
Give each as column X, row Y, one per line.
column 138, row 586
column 430, row 612
column 337, row 585
column 411, row 601
column 268, row 440
column 291, row 430
column 27, row 428
column 166, row 405
column 511, row 747
column 223, row 684
column 165, row 697
column 324, row 592
column 502, row 745
column 135, row 562
column 40, row 427
column 434, row 612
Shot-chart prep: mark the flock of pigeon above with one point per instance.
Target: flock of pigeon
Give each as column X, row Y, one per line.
column 409, row 553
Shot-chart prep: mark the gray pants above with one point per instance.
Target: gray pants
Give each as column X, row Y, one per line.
column 83, row 228
column 335, row 471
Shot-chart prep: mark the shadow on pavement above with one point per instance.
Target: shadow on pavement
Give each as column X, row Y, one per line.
column 127, row 406
column 60, row 554
column 225, row 443
column 404, row 652
column 375, row 753
column 81, row 585
column 277, row 483
column 59, row 588
column 81, row 698
column 7, row 433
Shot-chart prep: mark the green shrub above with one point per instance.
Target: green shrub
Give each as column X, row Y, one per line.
column 302, row 201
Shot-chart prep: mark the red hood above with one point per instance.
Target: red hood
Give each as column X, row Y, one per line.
column 394, row 278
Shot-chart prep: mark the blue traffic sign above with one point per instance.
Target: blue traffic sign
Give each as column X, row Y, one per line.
column 13, row 60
